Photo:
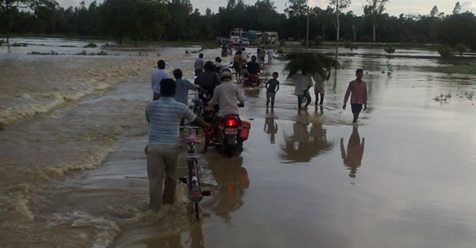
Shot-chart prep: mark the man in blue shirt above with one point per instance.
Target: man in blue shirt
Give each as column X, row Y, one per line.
column 163, row 149
column 183, row 86
column 158, row 75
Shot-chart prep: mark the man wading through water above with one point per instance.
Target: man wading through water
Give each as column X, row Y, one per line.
column 358, row 88
column 157, row 77
column 163, row 149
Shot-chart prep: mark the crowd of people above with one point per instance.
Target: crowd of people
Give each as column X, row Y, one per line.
column 169, row 107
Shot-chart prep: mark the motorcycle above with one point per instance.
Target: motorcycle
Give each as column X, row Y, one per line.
column 228, row 134
column 252, row 79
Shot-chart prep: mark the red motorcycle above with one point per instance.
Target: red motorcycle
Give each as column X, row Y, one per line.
column 252, row 79
column 228, row 134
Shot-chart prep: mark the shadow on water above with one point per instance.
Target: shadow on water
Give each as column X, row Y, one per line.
column 352, row 158
column 232, row 181
column 308, row 140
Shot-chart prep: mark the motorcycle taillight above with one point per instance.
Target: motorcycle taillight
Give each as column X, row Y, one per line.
column 231, row 122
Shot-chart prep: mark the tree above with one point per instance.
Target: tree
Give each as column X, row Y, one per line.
column 338, row 5
column 10, row 8
column 178, row 25
column 461, row 48
column 296, row 11
column 134, row 19
column 297, row 8
column 312, row 63
column 457, row 8
column 434, row 11
column 375, row 8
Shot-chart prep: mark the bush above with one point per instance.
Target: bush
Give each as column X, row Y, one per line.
column 282, row 43
column 91, row 45
column 389, row 49
column 317, row 41
column 350, row 45
column 461, row 48
column 445, row 51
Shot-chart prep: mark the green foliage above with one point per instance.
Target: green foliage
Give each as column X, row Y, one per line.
column 461, row 48
column 134, row 19
column 457, row 9
column 91, row 45
column 389, row 49
column 310, row 63
column 317, row 41
column 176, row 20
column 445, row 51
column 297, row 8
column 350, row 45
column 282, row 43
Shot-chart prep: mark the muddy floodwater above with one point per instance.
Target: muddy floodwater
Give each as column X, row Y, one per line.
column 73, row 169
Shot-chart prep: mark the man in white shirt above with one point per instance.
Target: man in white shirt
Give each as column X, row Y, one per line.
column 303, row 82
column 199, row 64
column 227, row 95
column 158, row 75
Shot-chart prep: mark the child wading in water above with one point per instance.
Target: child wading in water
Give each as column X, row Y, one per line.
column 358, row 88
column 303, row 82
column 272, row 86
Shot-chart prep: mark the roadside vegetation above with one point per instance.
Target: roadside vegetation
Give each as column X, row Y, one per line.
column 176, row 20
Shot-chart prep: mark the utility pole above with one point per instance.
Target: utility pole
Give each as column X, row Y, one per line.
column 307, row 32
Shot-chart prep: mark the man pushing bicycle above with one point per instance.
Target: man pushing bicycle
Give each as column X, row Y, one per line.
column 163, row 149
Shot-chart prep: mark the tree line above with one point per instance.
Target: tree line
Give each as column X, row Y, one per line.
column 176, row 20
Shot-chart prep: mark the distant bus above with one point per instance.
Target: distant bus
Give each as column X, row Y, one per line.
column 237, row 35
column 254, row 37
column 270, row 38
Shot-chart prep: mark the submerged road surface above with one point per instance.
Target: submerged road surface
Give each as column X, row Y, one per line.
column 402, row 178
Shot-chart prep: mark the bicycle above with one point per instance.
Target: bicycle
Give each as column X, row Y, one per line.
column 192, row 180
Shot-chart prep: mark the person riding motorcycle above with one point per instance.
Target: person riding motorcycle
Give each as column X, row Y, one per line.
column 207, row 79
column 253, row 69
column 227, row 95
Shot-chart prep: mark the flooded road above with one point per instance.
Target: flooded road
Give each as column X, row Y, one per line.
column 402, row 178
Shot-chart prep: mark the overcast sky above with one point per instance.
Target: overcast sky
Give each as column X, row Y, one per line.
column 394, row 7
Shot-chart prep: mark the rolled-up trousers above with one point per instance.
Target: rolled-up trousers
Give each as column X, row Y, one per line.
column 162, row 164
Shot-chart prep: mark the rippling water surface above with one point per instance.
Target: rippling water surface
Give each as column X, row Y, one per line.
column 402, row 178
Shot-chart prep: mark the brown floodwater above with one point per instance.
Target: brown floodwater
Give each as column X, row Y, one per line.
column 402, row 178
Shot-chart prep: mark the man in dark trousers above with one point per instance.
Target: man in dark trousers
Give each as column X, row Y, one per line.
column 358, row 91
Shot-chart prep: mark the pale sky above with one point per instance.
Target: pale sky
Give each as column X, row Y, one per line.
column 394, row 7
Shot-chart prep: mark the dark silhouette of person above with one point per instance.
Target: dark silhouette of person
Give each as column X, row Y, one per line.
column 271, row 128
column 355, row 152
column 305, row 144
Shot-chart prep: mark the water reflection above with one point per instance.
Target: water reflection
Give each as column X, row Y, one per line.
column 252, row 92
column 305, row 142
column 355, row 151
column 232, row 179
column 193, row 239
column 271, row 128
column 319, row 110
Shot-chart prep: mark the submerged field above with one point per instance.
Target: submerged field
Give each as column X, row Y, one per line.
column 73, row 173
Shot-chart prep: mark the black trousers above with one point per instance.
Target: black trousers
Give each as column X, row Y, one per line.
column 356, row 108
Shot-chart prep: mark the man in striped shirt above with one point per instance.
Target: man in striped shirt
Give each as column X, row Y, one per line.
column 163, row 149
column 358, row 88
